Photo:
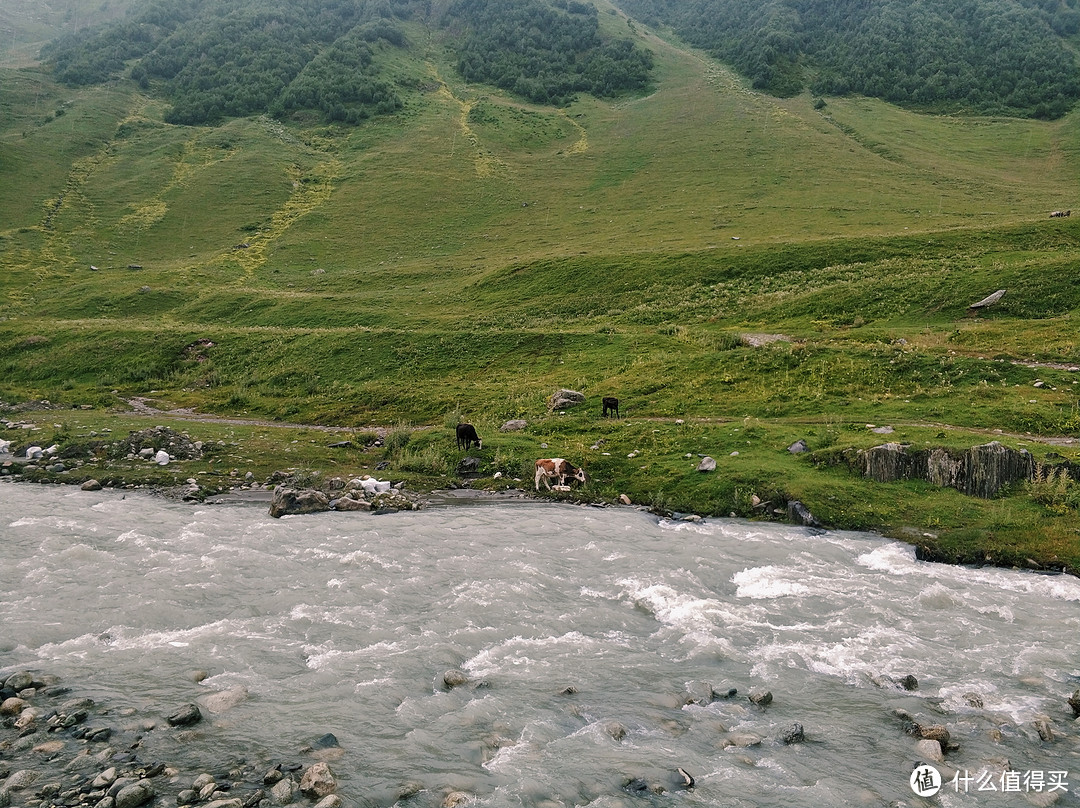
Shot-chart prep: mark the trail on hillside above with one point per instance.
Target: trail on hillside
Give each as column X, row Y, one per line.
column 140, row 406
column 484, row 161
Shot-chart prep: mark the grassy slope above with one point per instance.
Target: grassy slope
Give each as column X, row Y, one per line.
column 473, row 254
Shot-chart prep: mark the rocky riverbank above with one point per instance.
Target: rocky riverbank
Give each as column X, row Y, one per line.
column 62, row 749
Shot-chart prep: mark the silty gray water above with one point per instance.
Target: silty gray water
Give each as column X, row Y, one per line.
column 345, row 623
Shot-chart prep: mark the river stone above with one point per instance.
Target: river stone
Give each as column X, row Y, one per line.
column 794, row 734
column 936, row 732
column 12, row 706
column 135, row 795
column 49, row 748
column 350, row 504
column 105, row 802
column 224, row 700
column 290, row 501
column 615, row 730
column 698, row 693
column 330, row 801
column 454, row 678
column 232, row 802
column 454, row 799
column 21, row 779
column 1074, row 702
column 283, row 792
column 207, row 791
column 105, row 779
column 1046, row 732
column 929, row 749
column 19, row 680
column 185, row 716
column 741, row 740
column 762, row 698
column 202, row 781
column 91, row 485
column 318, row 782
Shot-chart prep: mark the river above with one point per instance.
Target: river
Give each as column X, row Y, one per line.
column 581, row 631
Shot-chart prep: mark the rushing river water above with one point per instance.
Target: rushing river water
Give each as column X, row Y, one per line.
column 346, row 623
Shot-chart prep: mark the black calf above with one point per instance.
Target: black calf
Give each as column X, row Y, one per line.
column 466, row 436
column 611, row 405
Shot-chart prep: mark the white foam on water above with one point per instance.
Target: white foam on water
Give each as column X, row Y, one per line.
column 895, row 559
column 764, row 583
column 518, row 651
column 321, row 658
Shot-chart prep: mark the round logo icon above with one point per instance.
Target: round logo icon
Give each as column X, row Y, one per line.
column 925, row 780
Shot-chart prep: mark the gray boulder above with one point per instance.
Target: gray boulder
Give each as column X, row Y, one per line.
column 291, row 501
column 350, row 504
column 515, row 425
column 135, row 795
column 930, row 750
column 989, row 300
column 707, row 464
column 564, row 399
column 468, row 465
column 283, row 792
column 800, row 514
column 798, row 447
column 185, row 716
column 318, row 782
column 762, row 698
column 19, row 680
column 793, row 734
column 454, row 678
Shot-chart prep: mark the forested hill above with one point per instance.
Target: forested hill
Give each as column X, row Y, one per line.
column 214, row 59
column 1016, row 57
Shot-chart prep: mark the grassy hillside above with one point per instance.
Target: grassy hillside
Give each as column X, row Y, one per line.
column 470, row 254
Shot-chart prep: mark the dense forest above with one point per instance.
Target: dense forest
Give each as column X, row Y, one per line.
column 1015, row 57
column 221, row 58
column 544, row 52
column 215, row 59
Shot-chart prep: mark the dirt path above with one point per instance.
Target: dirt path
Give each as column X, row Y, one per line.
column 140, row 407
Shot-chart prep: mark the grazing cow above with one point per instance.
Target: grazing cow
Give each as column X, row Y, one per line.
column 611, row 405
column 1060, row 213
column 466, row 436
column 556, row 468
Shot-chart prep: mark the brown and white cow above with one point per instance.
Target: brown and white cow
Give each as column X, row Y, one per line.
column 556, row 468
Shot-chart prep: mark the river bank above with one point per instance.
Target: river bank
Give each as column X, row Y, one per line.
column 652, row 464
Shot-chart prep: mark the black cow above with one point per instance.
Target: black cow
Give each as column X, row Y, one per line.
column 466, row 436
column 611, row 405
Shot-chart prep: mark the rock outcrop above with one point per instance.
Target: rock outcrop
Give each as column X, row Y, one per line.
column 981, row 471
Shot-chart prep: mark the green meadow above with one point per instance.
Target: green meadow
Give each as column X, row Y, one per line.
column 472, row 254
